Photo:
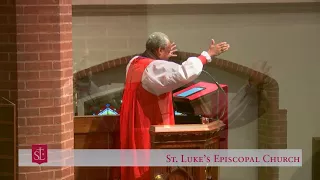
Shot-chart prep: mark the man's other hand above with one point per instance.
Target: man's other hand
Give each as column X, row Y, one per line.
column 217, row 49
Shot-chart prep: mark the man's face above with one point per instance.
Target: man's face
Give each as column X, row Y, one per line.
column 164, row 53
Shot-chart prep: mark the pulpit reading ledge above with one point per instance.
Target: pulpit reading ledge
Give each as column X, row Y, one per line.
column 189, row 136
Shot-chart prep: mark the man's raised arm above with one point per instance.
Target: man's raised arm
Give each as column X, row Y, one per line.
column 164, row 76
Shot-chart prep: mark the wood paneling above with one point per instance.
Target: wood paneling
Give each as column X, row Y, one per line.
column 95, row 132
column 8, row 141
column 316, row 158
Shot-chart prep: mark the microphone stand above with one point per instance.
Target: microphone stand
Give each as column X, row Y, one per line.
column 218, row 93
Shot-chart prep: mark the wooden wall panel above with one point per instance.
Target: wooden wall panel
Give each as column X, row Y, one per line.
column 95, row 132
column 8, row 141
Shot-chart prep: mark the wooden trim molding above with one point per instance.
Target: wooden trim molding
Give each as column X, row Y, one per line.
column 95, row 124
column 189, row 2
column 216, row 125
column 174, row 9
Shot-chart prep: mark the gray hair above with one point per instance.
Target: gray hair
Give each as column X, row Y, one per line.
column 157, row 40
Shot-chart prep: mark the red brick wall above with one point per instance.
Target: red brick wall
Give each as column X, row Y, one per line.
column 45, row 86
column 272, row 126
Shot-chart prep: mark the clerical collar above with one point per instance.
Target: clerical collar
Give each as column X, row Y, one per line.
column 149, row 54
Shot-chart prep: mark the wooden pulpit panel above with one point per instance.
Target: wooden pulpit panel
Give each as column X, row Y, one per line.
column 179, row 174
column 192, row 136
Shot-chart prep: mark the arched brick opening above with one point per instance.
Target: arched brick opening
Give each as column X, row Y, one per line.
column 272, row 124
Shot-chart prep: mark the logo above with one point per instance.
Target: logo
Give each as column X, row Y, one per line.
column 40, row 153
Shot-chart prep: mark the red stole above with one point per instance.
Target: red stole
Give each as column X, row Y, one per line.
column 141, row 109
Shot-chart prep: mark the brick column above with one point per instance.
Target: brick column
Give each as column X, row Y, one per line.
column 45, row 86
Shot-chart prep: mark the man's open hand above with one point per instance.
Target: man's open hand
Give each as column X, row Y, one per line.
column 217, row 49
column 173, row 50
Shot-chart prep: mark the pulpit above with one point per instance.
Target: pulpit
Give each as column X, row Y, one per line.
column 201, row 100
column 186, row 136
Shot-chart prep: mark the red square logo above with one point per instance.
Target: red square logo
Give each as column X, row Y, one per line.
column 39, row 153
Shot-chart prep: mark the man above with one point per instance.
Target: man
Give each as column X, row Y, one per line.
column 147, row 97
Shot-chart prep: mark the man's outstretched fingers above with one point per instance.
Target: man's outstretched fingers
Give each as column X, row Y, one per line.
column 213, row 42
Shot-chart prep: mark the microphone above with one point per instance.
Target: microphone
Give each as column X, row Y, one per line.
column 220, row 88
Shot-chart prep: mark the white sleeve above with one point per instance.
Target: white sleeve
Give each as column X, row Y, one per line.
column 162, row 76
